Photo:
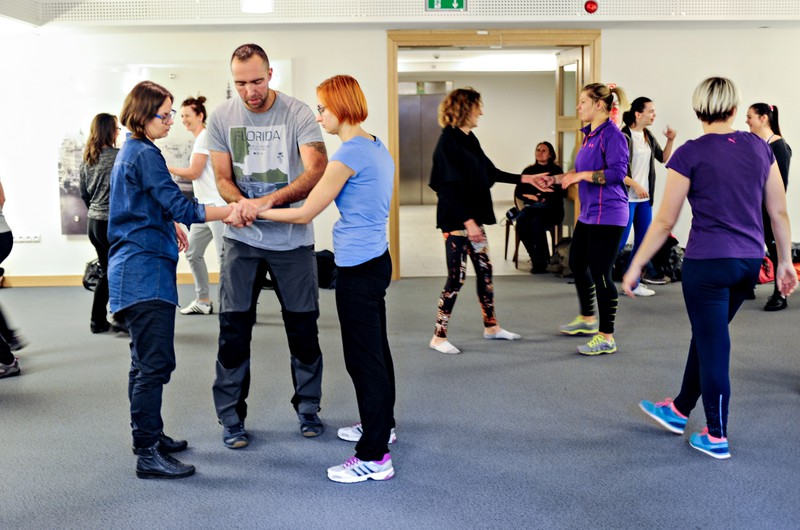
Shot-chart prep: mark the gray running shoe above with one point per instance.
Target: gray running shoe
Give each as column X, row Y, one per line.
column 597, row 346
column 580, row 327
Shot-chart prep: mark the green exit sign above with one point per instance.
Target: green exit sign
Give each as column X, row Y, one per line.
column 446, row 5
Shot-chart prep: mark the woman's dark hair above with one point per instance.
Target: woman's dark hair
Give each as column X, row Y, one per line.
column 197, row 105
column 457, row 106
column 552, row 157
column 771, row 112
column 102, row 133
column 638, row 105
column 141, row 106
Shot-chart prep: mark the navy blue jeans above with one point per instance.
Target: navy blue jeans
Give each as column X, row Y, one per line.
column 151, row 325
column 713, row 290
column 360, row 303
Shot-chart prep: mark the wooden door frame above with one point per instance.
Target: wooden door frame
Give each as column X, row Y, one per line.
column 507, row 38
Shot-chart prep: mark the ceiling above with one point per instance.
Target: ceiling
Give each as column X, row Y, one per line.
column 403, row 14
column 476, row 59
column 25, row 16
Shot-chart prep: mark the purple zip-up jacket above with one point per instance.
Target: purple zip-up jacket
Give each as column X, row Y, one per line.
column 603, row 148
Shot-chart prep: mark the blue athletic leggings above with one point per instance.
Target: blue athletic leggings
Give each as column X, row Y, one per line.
column 713, row 290
column 641, row 215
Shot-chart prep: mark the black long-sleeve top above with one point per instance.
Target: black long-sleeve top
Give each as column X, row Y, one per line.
column 554, row 198
column 462, row 176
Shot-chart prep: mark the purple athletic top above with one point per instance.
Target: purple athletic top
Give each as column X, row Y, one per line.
column 604, row 148
column 727, row 173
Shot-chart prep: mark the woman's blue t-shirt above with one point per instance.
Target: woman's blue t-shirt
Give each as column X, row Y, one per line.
column 360, row 234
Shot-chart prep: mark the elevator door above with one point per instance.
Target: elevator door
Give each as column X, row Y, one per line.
column 419, row 132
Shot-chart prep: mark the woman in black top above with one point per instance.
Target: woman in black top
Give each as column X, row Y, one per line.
column 95, row 185
column 763, row 121
column 542, row 210
column 462, row 176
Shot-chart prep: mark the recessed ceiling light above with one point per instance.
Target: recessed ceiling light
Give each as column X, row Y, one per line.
column 257, row 6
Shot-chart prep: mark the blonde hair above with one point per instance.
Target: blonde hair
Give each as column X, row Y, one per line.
column 715, row 99
column 606, row 94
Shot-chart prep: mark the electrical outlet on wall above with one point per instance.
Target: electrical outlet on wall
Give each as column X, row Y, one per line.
column 28, row 238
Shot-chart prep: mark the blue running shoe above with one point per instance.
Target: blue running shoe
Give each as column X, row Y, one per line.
column 703, row 443
column 662, row 412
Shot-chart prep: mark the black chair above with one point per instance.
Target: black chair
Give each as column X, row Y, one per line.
column 555, row 235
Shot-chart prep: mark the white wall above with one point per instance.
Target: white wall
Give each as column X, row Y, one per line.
column 51, row 82
column 666, row 66
column 519, row 112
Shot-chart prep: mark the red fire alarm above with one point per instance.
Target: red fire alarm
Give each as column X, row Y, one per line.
column 590, row 6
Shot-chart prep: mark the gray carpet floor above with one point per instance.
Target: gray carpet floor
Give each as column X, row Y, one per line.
column 524, row 434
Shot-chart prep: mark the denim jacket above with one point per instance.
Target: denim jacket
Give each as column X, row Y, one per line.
column 143, row 204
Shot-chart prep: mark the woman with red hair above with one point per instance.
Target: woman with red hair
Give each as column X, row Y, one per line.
column 360, row 179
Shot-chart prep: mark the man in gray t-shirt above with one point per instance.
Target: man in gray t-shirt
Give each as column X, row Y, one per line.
column 267, row 152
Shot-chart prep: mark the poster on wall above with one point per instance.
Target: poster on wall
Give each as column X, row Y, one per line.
column 187, row 79
column 73, row 210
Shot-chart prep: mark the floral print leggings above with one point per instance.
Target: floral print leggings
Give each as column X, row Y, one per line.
column 457, row 248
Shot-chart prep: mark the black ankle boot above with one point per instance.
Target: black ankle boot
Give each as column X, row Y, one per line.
column 168, row 445
column 152, row 463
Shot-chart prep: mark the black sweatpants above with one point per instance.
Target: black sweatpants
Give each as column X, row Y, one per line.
column 360, row 303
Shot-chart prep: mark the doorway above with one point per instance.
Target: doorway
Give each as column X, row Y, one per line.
column 585, row 40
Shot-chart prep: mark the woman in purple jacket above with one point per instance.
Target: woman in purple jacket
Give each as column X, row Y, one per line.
column 724, row 174
column 600, row 169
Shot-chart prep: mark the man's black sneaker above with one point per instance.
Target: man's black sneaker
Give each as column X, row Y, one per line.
column 310, row 424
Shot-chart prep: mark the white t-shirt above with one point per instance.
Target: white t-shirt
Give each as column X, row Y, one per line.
column 205, row 187
column 640, row 165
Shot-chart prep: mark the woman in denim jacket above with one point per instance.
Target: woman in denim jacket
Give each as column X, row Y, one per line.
column 145, row 207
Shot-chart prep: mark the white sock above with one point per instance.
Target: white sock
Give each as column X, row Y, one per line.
column 445, row 347
column 501, row 335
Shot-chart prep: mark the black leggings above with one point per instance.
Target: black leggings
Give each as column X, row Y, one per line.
column 591, row 257
column 6, row 333
column 98, row 235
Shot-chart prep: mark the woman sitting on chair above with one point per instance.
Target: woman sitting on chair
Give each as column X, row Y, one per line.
column 541, row 211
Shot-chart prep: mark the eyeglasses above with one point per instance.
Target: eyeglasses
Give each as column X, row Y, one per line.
column 168, row 117
column 320, row 109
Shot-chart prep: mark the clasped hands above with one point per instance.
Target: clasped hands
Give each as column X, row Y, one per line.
column 244, row 212
column 545, row 182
